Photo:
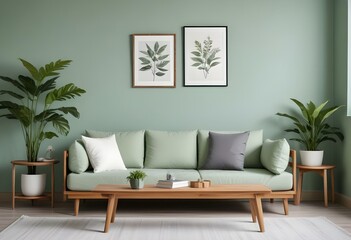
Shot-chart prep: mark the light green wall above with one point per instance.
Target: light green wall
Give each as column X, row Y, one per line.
column 342, row 154
column 276, row 50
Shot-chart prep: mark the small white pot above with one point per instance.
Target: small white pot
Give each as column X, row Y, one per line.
column 311, row 158
column 33, row 184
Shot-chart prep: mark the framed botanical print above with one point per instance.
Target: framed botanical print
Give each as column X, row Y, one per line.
column 205, row 56
column 154, row 60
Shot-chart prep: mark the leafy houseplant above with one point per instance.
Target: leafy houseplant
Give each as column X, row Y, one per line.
column 35, row 111
column 136, row 179
column 310, row 125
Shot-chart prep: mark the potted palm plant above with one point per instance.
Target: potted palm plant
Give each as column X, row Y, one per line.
column 31, row 101
column 136, row 179
column 312, row 129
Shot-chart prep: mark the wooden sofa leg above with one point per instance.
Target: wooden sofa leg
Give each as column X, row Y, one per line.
column 271, row 200
column 76, row 206
column 286, row 207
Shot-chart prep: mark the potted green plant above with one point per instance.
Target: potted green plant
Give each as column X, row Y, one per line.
column 312, row 129
column 32, row 101
column 136, row 179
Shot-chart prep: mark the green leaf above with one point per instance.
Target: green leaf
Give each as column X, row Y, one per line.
column 150, row 53
column 33, row 70
column 161, row 49
column 214, row 64
column 160, row 74
column 197, row 54
column 68, row 91
column 15, row 83
column 162, row 57
column 47, row 85
column 145, row 68
column 60, row 124
column 196, row 64
column 69, row 110
column 156, row 46
column 196, row 59
column 144, row 60
column 13, row 94
column 47, row 135
column 144, row 52
column 162, row 69
column 162, row 64
column 29, row 85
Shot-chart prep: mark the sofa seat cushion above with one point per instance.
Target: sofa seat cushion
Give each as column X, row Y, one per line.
column 86, row 181
column 281, row 182
column 252, row 151
column 171, row 149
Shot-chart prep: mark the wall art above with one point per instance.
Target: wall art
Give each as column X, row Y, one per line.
column 154, row 60
column 205, row 56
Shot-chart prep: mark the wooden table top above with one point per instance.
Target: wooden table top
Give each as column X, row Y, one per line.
column 39, row 163
column 233, row 188
column 321, row 167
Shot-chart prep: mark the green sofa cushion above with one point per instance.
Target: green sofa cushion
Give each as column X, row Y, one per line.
column 281, row 182
column 252, row 152
column 170, row 149
column 78, row 157
column 130, row 144
column 275, row 155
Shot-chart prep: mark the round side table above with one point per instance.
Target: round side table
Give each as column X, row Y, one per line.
column 321, row 170
column 50, row 163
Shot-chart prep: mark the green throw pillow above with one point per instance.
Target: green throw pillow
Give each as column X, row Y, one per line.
column 275, row 155
column 130, row 144
column 78, row 159
column 170, row 149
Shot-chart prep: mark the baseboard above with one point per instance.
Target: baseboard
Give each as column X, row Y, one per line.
column 342, row 199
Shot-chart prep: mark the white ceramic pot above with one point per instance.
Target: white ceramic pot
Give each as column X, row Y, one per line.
column 33, row 184
column 311, row 158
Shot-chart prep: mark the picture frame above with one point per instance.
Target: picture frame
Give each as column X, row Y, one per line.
column 154, row 59
column 205, row 56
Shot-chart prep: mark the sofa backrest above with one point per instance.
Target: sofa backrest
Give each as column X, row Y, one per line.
column 165, row 149
column 130, row 144
column 252, row 152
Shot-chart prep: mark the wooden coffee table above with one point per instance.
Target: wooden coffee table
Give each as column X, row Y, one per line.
column 252, row 192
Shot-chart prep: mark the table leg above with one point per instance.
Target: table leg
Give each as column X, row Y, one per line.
column 299, row 187
column 110, row 207
column 325, row 185
column 13, row 185
column 253, row 210
column 259, row 212
column 114, row 210
column 52, row 185
column 286, row 206
column 332, row 185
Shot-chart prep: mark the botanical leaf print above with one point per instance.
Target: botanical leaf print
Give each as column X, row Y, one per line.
column 154, row 60
column 204, row 57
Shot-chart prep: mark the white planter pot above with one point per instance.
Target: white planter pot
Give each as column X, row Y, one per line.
column 311, row 158
column 33, row 184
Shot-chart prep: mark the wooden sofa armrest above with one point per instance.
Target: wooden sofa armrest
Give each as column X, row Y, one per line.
column 65, row 173
column 292, row 164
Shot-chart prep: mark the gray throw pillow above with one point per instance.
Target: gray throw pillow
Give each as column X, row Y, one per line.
column 226, row 151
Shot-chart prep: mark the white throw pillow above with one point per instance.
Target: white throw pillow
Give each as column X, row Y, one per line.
column 103, row 153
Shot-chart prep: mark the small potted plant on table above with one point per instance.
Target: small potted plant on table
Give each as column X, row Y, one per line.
column 136, row 179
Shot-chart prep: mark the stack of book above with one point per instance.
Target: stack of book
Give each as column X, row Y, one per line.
column 172, row 183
